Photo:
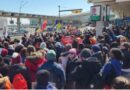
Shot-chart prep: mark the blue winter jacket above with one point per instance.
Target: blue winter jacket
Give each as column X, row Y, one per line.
column 57, row 71
column 116, row 65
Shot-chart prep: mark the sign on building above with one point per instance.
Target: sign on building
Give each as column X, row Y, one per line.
column 96, row 13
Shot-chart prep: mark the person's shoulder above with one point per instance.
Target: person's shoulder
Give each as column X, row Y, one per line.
column 51, row 86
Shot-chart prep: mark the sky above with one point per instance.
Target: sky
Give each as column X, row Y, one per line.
column 43, row 7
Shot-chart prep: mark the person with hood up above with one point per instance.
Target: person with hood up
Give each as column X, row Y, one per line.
column 83, row 73
column 33, row 62
column 57, row 74
column 44, row 47
column 98, row 54
column 72, row 62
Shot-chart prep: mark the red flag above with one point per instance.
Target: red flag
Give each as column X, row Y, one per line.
column 44, row 25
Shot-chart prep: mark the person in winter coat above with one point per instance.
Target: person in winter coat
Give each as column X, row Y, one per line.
column 18, row 68
column 126, row 61
column 33, row 62
column 83, row 73
column 5, row 56
column 98, row 54
column 72, row 62
column 3, row 67
column 112, row 69
column 43, row 77
column 57, row 75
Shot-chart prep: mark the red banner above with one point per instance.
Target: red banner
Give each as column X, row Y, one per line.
column 67, row 40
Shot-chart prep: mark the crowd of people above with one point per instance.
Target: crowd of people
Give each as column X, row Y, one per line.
column 44, row 61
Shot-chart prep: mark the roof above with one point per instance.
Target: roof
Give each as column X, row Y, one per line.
column 79, row 14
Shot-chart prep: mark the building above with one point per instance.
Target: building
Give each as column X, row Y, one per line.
column 119, row 7
column 3, row 26
column 80, row 18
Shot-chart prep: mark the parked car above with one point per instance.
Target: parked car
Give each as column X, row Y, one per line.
column 16, row 32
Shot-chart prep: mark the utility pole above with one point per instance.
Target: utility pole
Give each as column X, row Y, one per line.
column 22, row 4
column 59, row 12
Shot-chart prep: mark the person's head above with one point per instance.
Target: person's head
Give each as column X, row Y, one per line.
column 23, row 39
column 43, row 45
column 4, row 52
column 38, row 40
column 121, row 83
column 75, row 43
column 81, row 46
column 6, row 45
column 16, row 41
column 116, row 53
column 30, row 49
column 125, row 45
column 23, row 51
column 114, row 44
column 72, row 53
column 85, row 53
column 18, row 48
column 42, row 77
column 68, row 47
column 96, row 48
column 51, row 55
column 16, row 59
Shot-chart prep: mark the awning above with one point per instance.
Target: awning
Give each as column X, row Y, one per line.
column 122, row 0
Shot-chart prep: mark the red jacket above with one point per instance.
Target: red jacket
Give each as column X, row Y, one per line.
column 32, row 63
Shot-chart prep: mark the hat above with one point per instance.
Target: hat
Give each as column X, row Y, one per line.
column 16, row 59
column 4, row 52
column 43, row 45
column 85, row 53
column 73, row 50
column 51, row 55
column 95, row 48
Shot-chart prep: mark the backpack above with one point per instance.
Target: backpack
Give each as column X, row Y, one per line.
column 99, row 81
column 19, row 82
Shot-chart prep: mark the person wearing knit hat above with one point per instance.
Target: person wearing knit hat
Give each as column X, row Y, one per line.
column 72, row 62
column 96, row 48
column 16, row 59
column 4, row 52
column 56, row 70
column 51, row 55
column 5, row 56
column 72, row 53
column 43, row 46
